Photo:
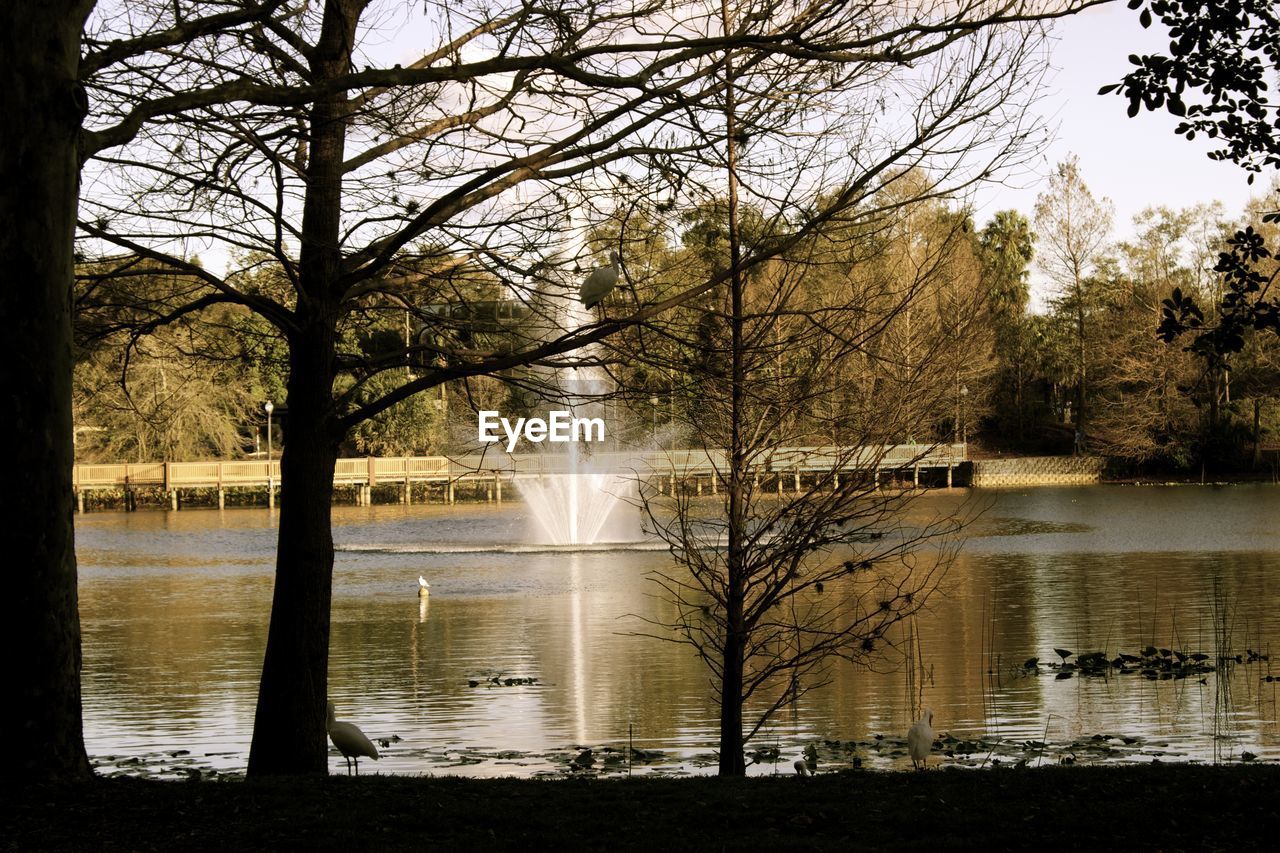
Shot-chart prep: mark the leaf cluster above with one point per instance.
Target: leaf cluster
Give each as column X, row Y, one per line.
column 1214, row 76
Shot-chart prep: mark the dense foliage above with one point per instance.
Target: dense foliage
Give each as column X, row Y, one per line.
column 195, row 389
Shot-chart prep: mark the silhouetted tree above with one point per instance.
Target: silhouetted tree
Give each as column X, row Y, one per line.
column 1222, row 60
column 46, row 59
column 851, row 339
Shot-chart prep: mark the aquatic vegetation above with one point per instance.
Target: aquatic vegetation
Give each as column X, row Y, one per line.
column 1152, row 663
column 496, row 680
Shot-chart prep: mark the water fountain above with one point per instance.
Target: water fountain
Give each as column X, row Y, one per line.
column 585, row 505
column 581, row 502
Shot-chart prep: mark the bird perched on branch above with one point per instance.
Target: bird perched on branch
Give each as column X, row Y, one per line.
column 920, row 740
column 600, row 282
column 349, row 740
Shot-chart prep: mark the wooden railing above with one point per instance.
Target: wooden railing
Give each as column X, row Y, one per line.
column 372, row 470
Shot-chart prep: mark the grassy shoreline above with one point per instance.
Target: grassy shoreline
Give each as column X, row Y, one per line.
column 1159, row 806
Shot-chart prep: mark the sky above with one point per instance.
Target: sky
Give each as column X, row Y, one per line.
column 1136, row 162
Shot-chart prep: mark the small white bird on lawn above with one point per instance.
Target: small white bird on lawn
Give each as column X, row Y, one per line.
column 600, row 282
column 424, row 588
column 349, row 740
column 920, row 740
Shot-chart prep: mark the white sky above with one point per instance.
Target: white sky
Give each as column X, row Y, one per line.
column 1137, row 162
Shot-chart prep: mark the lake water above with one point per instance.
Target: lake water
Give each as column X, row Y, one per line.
column 174, row 609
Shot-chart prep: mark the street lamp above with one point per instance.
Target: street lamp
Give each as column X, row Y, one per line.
column 964, row 393
column 653, row 402
column 271, row 473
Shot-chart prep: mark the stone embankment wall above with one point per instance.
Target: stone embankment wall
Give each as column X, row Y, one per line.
column 1037, row 471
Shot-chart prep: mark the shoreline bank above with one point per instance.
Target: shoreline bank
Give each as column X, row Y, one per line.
column 1146, row 807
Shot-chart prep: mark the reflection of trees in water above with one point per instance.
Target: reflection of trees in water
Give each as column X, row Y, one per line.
column 173, row 644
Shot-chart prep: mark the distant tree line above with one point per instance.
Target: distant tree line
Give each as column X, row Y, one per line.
column 1085, row 372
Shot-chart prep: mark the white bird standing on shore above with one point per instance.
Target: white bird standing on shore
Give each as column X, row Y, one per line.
column 920, row 740
column 424, row 588
column 349, row 740
column 600, row 282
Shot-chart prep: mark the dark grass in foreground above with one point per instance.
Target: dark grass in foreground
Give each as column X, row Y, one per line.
column 1167, row 807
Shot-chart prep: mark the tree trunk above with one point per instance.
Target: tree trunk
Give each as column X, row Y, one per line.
column 1082, row 370
column 732, row 760
column 1019, row 405
column 1257, row 432
column 1211, row 430
column 289, row 726
column 39, row 183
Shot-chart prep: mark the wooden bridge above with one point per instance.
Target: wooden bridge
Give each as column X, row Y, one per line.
column 695, row 468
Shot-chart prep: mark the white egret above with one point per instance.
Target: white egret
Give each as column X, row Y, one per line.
column 349, row 740
column 424, row 588
column 600, row 282
column 920, row 740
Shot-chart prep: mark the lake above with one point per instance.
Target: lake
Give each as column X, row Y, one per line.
column 174, row 609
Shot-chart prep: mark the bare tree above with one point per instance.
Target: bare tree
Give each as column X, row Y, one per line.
column 1073, row 228
column 809, row 371
column 1148, row 398
column 850, row 340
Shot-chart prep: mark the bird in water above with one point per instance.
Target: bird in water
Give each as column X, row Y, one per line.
column 600, row 282
column 349, row 740
column 424, row 588
column 920, row 740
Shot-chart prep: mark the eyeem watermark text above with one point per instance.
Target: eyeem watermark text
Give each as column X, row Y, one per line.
column 559, row 427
